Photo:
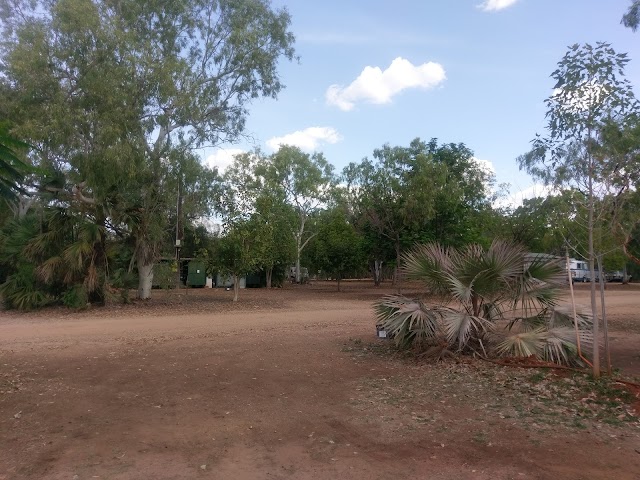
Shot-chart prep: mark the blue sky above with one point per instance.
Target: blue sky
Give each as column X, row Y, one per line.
column 470, row 71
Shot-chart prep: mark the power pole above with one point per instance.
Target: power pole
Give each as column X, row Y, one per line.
column 178, row 230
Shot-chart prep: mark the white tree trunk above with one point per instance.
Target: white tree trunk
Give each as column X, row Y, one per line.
column 23, row 206
column 236, row 287
column 145, row 280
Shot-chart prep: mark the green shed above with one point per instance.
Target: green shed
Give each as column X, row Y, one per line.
column 196, row 276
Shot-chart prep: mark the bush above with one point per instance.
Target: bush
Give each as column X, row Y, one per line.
column 75, row 297
column 22, row 291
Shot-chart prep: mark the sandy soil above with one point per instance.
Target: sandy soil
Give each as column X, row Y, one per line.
column 282, row 385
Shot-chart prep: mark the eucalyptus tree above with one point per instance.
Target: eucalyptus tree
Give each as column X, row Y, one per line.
column 631, row 19
column 110, row 90
column 383, row 191
column 246, row 197
column 620, row 146
column 305, row 182
column 237, row 252
column 590, row 91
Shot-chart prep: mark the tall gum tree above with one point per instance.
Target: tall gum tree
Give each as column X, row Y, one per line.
column 117, row 86
column 245, row 197
column 305, row 182
column 590, row 91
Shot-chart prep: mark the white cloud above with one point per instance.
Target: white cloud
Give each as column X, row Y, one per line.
column 495, row 5
column 308, row 139
column 223, row 158
column 485, row 165
column 374, row 85
column 515, row 200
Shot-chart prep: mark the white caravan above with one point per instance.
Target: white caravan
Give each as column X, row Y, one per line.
column 579, row 270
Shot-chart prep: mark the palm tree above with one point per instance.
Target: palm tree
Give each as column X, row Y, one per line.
column 12, row 169
column 53, row 257
column 473, row 291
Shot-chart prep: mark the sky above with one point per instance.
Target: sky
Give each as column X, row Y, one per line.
column 470, row 71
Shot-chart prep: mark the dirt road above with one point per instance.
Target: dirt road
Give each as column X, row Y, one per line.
column 280, row 387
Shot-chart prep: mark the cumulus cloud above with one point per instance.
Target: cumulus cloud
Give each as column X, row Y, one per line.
column 495, row 5
column 516, row 199
column 378, row 86
column 223, row 158
column 485, row 165
column 308, row 139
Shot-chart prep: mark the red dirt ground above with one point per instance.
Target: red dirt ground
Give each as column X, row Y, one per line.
column 281, row 385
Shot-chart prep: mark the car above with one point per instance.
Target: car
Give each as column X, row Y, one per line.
column 617, row 276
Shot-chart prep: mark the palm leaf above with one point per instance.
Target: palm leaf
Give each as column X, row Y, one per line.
column 562, row 316
column 560, row 346
column 408, row 321
column 431, row 264
column 523, row 344
column 459, row 327
column 528, row 324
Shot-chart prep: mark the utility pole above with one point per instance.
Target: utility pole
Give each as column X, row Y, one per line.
column 178, row 230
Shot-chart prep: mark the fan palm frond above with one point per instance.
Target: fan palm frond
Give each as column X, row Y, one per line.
column 560, row 346
column 431, row 264
column 409, row 322
column 501, row 282
column 47, row 269
column 523, row 344
column 459, row 327
column 562, row 316
column 528, row 324
column 12, row 169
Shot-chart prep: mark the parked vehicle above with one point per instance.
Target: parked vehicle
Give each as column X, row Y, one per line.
column 617, row 276
column 304, row 274
column 579, row 270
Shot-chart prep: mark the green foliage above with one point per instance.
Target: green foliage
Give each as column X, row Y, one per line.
column 12, row 169
column 75, row 297
column 304, row 184
column 60, row 251
column 250, row 195
column 543, row 224
column 590, row 93
column 125, row 281
column 165, row 275
column 337, row 249
column 631, row 19
column 23, row 291
column 477, row 289
column 116, row 98
column 423, row 192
